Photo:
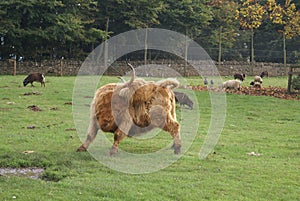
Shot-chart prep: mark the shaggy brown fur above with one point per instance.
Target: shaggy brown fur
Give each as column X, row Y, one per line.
column 134, row 107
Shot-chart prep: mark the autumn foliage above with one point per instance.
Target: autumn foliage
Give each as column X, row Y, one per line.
column 277, row 92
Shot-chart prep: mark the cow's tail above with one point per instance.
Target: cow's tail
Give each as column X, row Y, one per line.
column 170, row 83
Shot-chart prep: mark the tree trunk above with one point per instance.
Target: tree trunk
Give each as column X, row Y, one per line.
column 284, row 51
column 146, row 47
column 252, row 46
column 252, row 51
column 220, row 46
column 185, row 50
column 105, row 43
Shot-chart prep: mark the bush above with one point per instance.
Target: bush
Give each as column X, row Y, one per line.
column 296, row 83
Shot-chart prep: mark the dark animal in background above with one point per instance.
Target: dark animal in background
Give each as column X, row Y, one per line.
column 183, row 99
column 264, row 74
column 239, row 76
column 34, row 77
column 205, row 81
column 212, row 82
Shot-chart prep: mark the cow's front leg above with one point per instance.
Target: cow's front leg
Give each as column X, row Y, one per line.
column 118, row 137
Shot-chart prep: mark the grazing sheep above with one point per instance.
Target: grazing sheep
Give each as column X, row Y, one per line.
column 239, row 76
column 34, row 77
column 134, row 107
column 264, row 74
column 258, row 79
column 232, row 84
column 256, row 84
column 183, row 99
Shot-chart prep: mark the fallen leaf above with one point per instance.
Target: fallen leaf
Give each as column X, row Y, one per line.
column 28, row 152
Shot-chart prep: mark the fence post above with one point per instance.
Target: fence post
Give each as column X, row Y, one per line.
column 15, row 65
column 60, row 65
column 289, row 81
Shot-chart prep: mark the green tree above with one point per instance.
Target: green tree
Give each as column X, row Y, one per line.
column 45, row 27
column 223, row 29
column 126, row 14
column 289, row 19
column 188, row 17
column 143, row 14
column 250, row 15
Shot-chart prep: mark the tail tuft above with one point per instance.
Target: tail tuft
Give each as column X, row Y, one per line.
column 170, row 83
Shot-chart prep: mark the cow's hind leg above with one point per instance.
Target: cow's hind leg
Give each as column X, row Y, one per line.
column 118, row 137
column 92, row 132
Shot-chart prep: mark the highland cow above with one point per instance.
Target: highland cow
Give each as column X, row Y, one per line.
column 134, row 107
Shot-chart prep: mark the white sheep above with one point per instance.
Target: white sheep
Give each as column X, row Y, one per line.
column 256, row 84
column 258, row 79
column 232, row 84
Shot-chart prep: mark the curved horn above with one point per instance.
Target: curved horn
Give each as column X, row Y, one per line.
column 122, row 79
column 133, row 73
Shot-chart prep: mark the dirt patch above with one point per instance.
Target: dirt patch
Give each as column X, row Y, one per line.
column 32, row 93
column 34, row 108
column 70, row 129
column 31, row 127
column 277, row 92
column 5, row 109
column 32, row 172
column 68, row 103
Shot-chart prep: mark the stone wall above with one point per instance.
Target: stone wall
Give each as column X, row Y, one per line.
column 71, row 68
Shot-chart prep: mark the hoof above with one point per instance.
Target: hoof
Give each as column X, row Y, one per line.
column 177, row 149
column 81, row 149
column 113, row 151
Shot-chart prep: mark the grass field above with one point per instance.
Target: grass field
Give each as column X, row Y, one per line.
column 264, row 125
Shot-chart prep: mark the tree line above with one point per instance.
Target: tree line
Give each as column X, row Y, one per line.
column 251, row 30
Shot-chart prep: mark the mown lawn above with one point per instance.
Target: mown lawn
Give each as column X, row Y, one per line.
column 263, row 125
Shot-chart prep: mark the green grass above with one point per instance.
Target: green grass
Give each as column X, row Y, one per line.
column 264, row 125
